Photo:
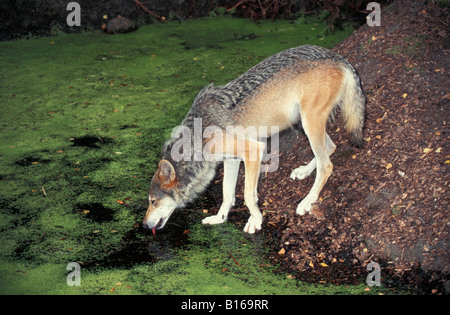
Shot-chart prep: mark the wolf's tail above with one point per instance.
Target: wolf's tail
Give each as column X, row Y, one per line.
column 353, row 105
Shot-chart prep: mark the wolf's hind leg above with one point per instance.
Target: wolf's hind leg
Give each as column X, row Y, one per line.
column 302, row 172
column 230, row 175
column 321, row 146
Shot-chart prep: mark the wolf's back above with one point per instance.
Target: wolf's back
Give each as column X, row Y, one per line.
column 268, row 68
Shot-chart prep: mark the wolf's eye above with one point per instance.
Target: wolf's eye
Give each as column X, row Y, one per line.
column 153, row 202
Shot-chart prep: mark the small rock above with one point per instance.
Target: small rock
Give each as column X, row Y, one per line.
column 119, row 25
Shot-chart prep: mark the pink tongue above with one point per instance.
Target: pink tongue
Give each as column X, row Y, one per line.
column 154, row 230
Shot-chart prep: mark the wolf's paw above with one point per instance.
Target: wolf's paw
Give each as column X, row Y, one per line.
column 301, row 172
column 253, row 225
column 304, row 206
column 215, row 219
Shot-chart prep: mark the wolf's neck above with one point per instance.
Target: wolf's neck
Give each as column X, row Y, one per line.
column 193, row 178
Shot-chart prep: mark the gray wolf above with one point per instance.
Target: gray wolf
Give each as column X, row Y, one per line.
column 305, row 84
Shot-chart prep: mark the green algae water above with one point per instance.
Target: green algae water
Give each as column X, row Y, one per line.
column 82, row 121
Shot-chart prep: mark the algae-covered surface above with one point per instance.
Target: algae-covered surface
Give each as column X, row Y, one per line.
column 82, row 121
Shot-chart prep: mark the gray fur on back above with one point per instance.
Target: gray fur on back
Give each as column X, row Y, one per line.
column 239, row 89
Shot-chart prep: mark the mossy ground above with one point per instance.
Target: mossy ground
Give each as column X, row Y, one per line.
column 82, row 121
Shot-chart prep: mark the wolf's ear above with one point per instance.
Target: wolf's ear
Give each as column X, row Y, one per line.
column 166, row 173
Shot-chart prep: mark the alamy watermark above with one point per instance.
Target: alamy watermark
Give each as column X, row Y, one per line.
column 74, row 277
column 374, row 17
column 73, row 18
column 210, row 143
column 374, row 277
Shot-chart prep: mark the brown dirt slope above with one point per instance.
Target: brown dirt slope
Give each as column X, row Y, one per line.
column 389, row 201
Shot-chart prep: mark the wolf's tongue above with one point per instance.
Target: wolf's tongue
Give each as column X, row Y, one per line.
column 154, row 230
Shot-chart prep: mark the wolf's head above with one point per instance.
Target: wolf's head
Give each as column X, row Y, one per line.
column 161, row 196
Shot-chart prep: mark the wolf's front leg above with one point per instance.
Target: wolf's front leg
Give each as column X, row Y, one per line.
column 254, row 223
column 220, row 217
column 230, row 174
column 251, row 196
